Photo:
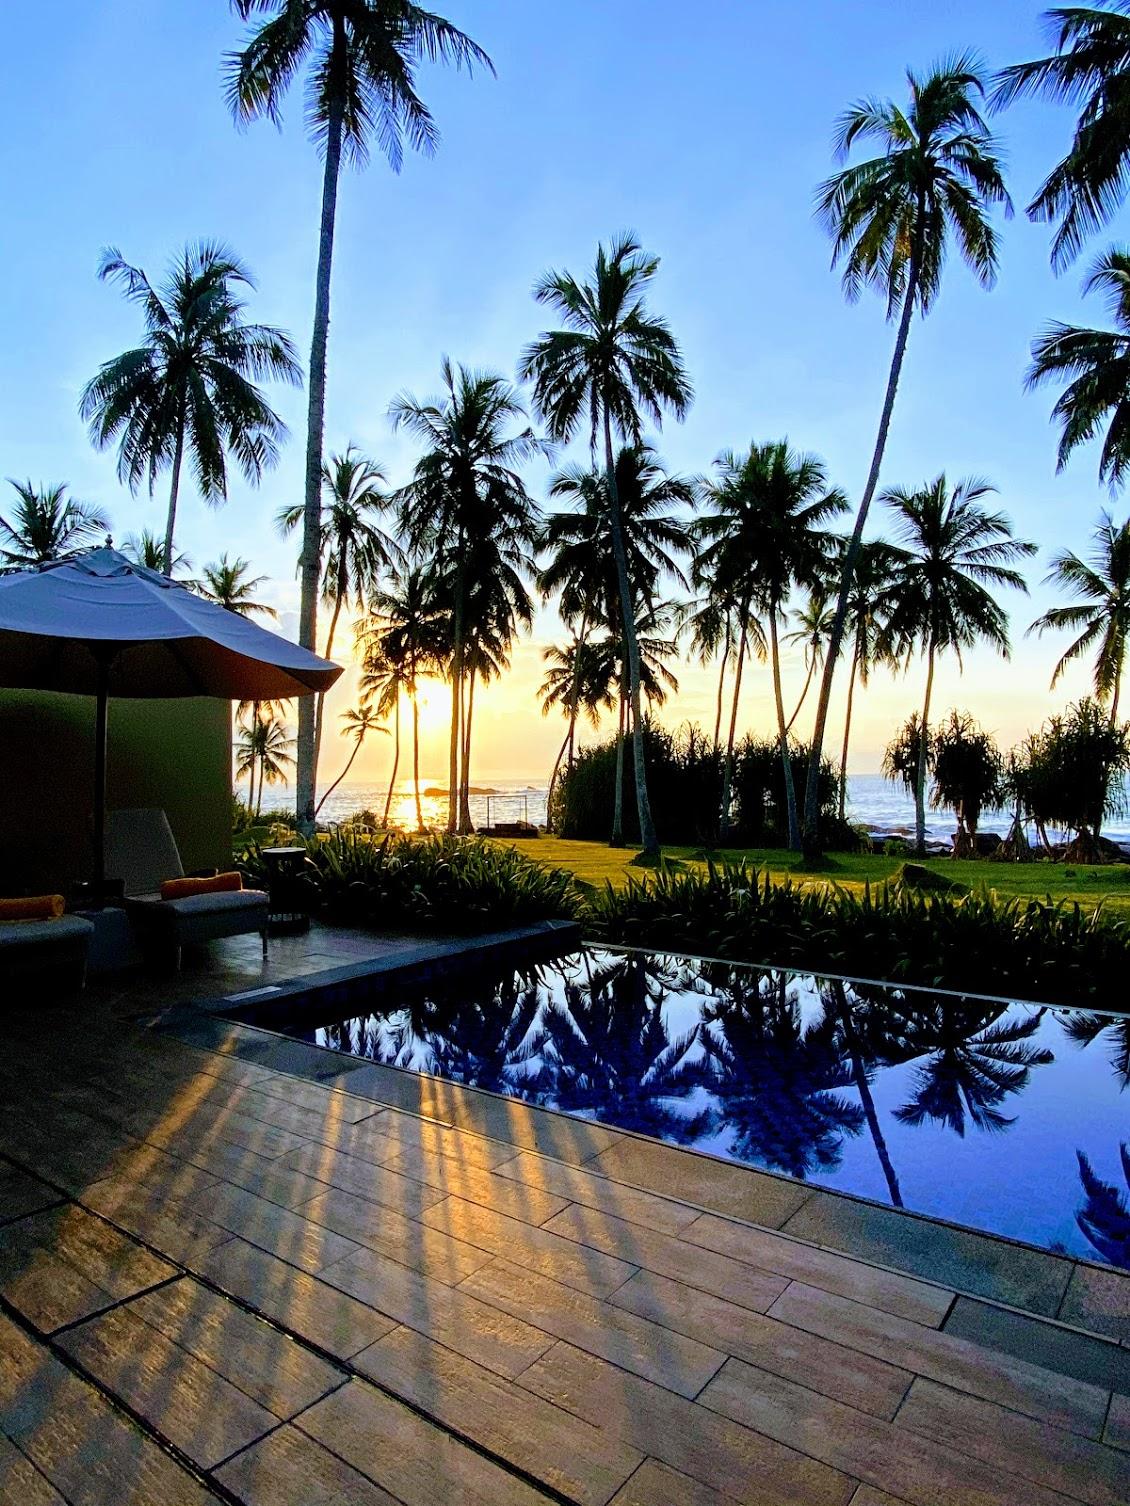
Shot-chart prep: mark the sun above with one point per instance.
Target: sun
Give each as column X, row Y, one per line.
column 433, row 699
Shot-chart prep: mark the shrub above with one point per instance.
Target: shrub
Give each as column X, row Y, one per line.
column 1029, row 949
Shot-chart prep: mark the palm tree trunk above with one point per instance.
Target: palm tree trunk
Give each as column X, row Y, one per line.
column 923, row 744
column 783, row 733
column 847, row 731
column 321, row 706
column 803, row 694
column 311, row 558
column 617, row 839
column 395, row 759
column 575, row 688
column 466, row 825
column 863, row 1087
column 724, row 823
column 416, row 761
column 553, row 779
column 341, row 776
column 174, row 493
column 851, row 558
column 455, row 742
column 649, row 840
column 721, row 687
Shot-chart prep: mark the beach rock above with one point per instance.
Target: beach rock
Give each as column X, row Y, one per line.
column 925, row 881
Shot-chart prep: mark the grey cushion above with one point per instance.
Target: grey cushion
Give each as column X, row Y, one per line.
column 199, row 917
column 67, row 930
column 225, row 901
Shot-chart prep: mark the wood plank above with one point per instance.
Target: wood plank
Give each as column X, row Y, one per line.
column 289, row 1235
column 563, row 1451
column 332, row 1103
column 63, row 1264
column 872, row 1385
column 867, row 1495
column 271, row 1178
column 289, row 1469
column 367, row 1179
column 92, row 1454
column 908, row 1466
column 1045, row 1455
column 265, row 1364
column 414, row 1461
column 547, row 1253
column 1117, row 1430
column 392, row 1132
column 21, row 1484
column 576, row 1185
column 170, row 1226
column 167, row 1175
column 21, row 1193
column 479, row 1331
column 655, row 1484
column 668, row 1255
column 198, row 1411
column 389, row 1233
column 682, row 1365
column 720, row 1186
column 302, row 1303
column 905, row 1296
column 185, row 1126
column 988, row 1373
column 475, row 1185
column 710, row 1448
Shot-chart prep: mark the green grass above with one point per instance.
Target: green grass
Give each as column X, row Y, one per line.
column 594, row 863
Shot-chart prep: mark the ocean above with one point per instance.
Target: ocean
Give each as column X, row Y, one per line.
column 872, row 802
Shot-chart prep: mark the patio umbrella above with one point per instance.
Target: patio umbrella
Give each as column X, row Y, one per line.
column 98, row 624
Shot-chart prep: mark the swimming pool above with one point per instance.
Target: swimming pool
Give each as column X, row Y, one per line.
column 1008, row 1117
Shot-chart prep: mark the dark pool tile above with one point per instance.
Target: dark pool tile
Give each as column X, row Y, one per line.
column 1040, row 1343
column 1100, row 1300
column 960, row 1258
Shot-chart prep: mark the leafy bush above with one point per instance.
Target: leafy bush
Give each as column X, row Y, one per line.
column 1027, row 949
column 427, row 883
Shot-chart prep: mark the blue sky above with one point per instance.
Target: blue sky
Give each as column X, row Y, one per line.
column 707, row 139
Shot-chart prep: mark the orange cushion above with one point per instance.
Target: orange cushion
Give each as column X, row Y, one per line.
column 38, row 907
column 182, row 888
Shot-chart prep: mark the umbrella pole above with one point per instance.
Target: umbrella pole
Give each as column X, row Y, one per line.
column 101, row 719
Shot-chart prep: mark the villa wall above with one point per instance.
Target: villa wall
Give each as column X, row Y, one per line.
column 173, row 754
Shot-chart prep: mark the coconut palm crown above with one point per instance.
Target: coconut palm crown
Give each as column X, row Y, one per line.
column 46, row 524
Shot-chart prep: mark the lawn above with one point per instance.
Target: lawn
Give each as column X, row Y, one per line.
column 594, row 862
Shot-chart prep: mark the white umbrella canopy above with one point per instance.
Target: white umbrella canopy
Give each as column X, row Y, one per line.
column 98, row 624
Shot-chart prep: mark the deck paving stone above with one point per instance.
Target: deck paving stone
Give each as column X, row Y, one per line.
column 655, row 1484
column 21, row 1193
column 595, row 1191
column 1067, row 1350
column 1117, row 1430
column 717, row 1186
column 21, row 1484
column 154, row 1219
column 368, row 1179
column 291, row 1236
column 473, row 1184
column 390, row 1233
column 287, row 1468
column 1099, row 1300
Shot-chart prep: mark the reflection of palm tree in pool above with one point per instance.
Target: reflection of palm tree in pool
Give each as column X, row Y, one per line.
column 1104, row 1218
column 480, row 1039
column 608, row 1052
column 778, row 1079
column 976, row 1056
column 862, row 1034
column 1083, row 1027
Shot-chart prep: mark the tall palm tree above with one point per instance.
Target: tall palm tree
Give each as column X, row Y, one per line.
column 1095, row 363
column 45, row 525
column 868, row 608
column 189, row 388
column 363, row 57
column 266, row 743
column 613, row 362
column 353, row 549
column 1101, row 587
column 226, row 582
column 359, row 722
column 582, row 553
column 763, row 535
column 1090, row 67
column 466, row 509
column 146, row 548
column 957, row 557
column 575, row 683
column 893, row 219
column 403, row 638
column 813, row 627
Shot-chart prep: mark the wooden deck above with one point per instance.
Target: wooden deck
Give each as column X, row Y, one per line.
column 223, row 1282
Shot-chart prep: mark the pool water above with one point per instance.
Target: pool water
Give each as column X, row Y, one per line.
column 1008, row 1117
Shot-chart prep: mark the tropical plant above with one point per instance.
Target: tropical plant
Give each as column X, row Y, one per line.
column 1074, row 776
column 353, row 548
column 1101, row 587
column 190, row 387
column 147, row 549
column 813, row 627
column 1089, row 67
column 45, row 525
column 359, row 722
column 866, row 625
column 575, row 681
column 968, row 776
column 1104, row 1219
column 266, row 744
column 363, row 57
column 612, row 362
column 763, row 534
column 226, row 582
column 893, row 219
column 956, row 556
column 467, row 512
column 1095, row 364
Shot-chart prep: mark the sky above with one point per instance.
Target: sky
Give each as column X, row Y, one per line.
column 707, row 140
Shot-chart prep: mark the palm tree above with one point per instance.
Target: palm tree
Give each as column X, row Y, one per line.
column 1095, row 363
column 582, row 552
column 575, row 681
column 466, row 510
column 1101, row 588
column 45, row 525
column 613, row 361
column 764, row 535
column 226, row 583
column 1104, row 1219
column 363, row 56
column 190, row 387
column 956, row 556
column 359, row 722
column 403, row 638
column 1090, row 67
column 892, row 219
column 868, row 607
column 813, row 627
column 145, row 548
column 353, row 547
column 265, row 743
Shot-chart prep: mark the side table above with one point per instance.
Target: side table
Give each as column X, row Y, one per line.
column 288, row 890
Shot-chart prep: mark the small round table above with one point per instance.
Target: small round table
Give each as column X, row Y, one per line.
column 288, row 890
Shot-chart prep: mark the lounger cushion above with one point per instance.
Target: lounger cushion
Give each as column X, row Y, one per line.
column 67, row 930
column 35, row 907
column 185, row 888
